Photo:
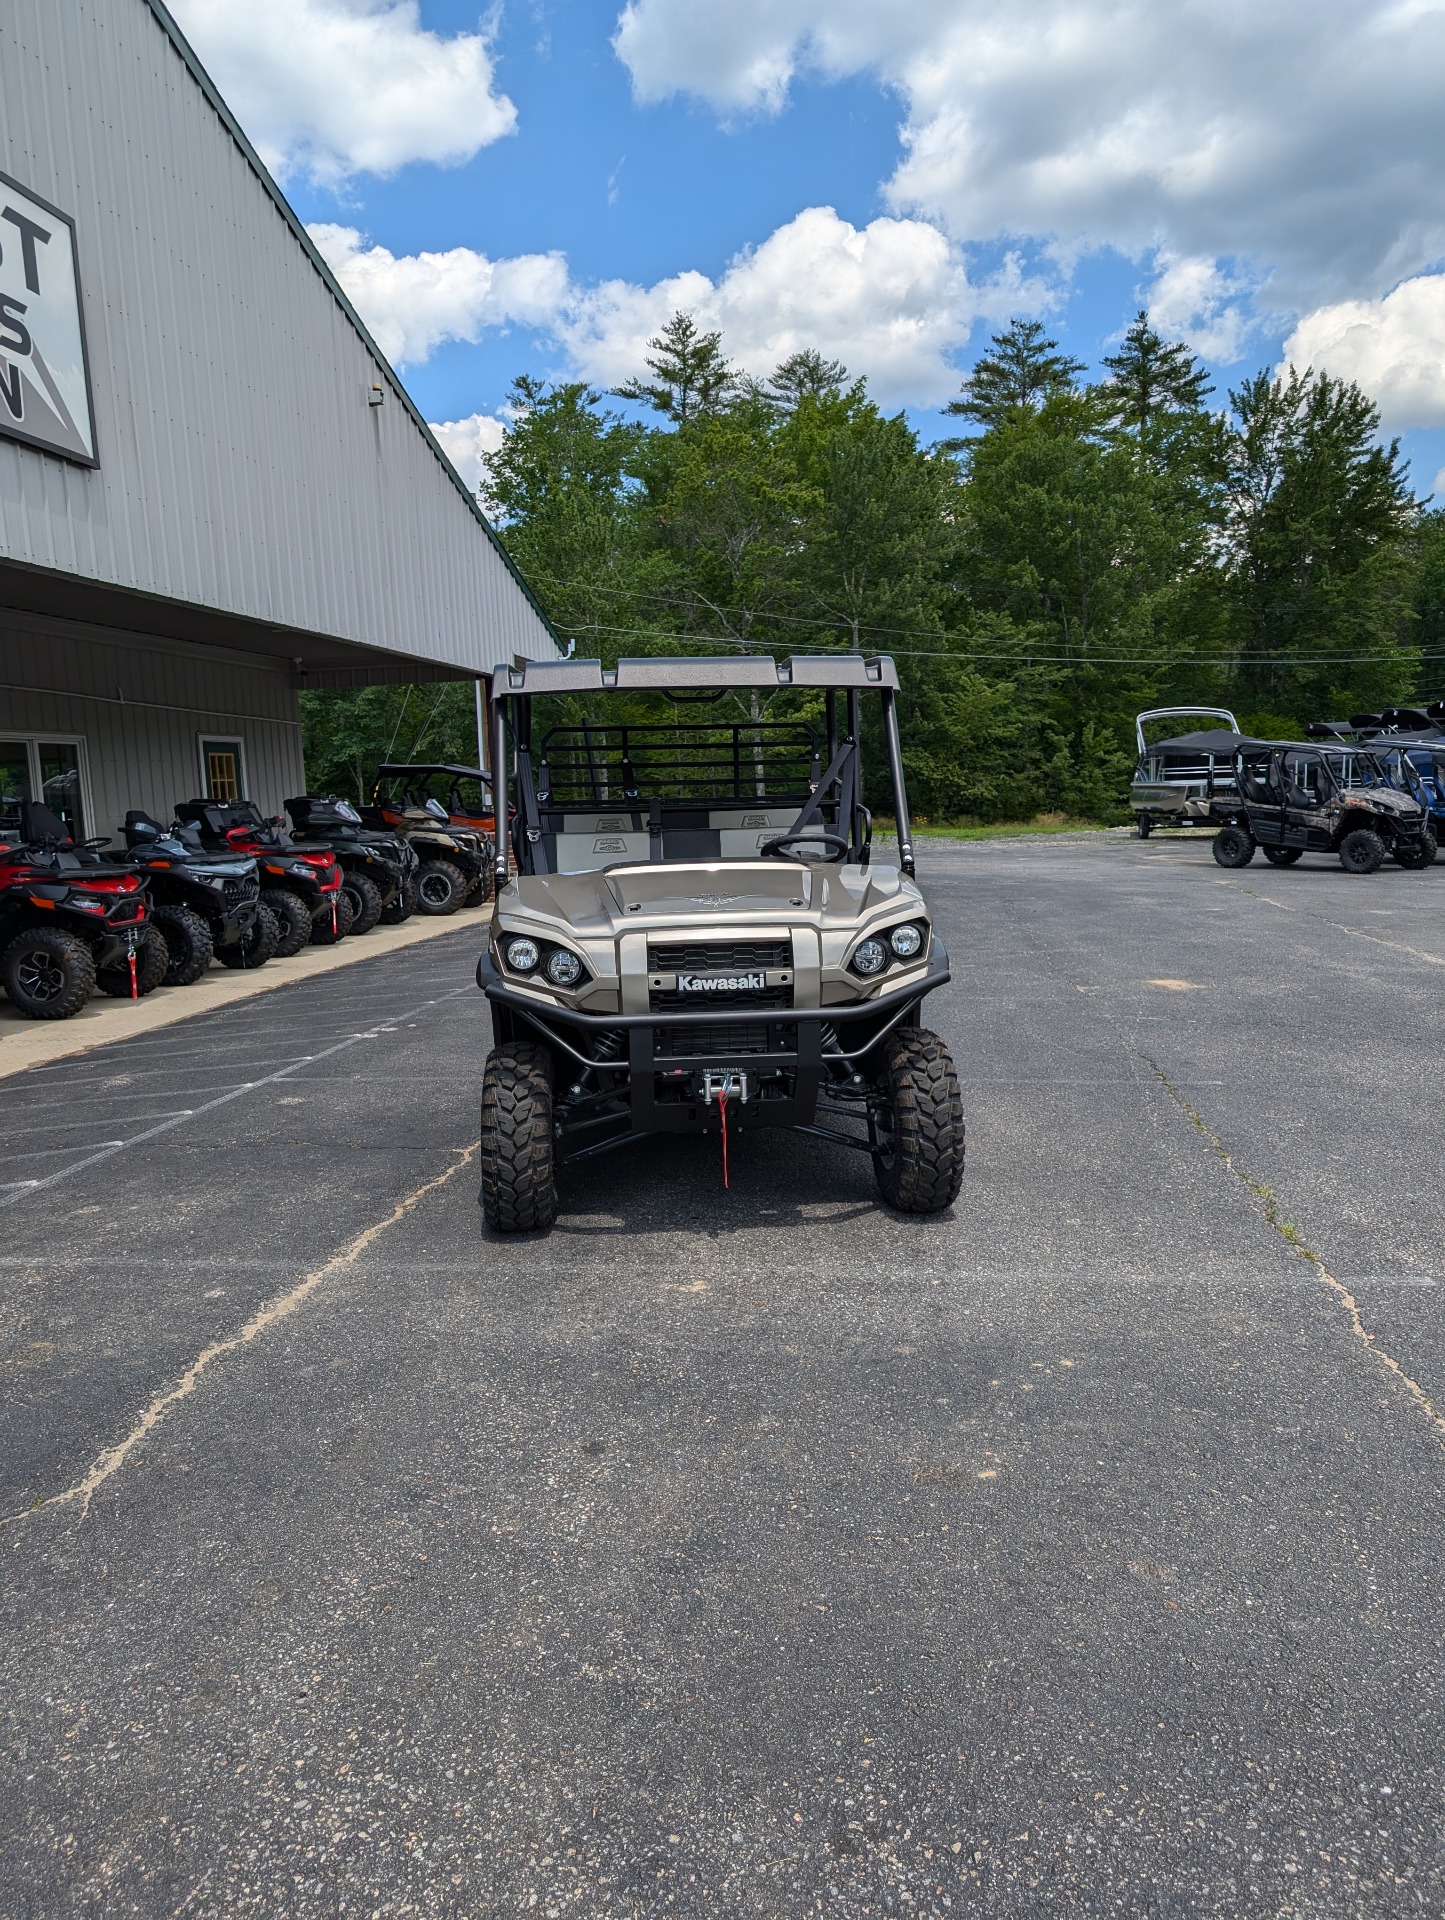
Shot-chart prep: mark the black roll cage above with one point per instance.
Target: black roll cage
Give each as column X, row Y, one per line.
column 522, row 782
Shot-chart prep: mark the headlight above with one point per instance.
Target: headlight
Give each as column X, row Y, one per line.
column 563, row 969
column 522, row 955
column 871, row 956
column 905, row 941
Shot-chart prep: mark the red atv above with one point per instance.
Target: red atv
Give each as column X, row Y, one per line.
column 70, row 922
column 300, row 880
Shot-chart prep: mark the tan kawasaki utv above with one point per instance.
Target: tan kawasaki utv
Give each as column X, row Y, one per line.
column 697, row 937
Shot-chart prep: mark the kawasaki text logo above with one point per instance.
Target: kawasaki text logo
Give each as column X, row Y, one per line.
column 721, row 982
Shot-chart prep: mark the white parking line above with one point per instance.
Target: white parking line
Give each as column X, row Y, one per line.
column 12, row 1197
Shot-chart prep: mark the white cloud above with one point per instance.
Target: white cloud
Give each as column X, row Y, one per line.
column 1438, row 488
column 892, row 300
column 1394, row 348
column 330, row 88
column 413, row 302
column 1307, row 138
column 1196, row 300
column 464, row 442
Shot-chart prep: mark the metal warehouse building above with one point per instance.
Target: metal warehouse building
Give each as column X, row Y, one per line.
column 213, row 489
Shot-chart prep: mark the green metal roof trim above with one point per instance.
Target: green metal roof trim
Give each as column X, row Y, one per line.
column 288, row 213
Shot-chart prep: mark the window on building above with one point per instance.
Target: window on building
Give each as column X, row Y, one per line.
column 223, row 769
column 51, row 771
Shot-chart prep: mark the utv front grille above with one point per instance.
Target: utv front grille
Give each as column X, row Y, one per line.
column 722, row 1042
column 724, row 956
column 760, row 1000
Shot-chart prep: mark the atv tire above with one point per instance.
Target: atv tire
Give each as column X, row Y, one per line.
column 256, row 945
column 365, row 897
column 440, row 887
column 480, row 891
column 402, row 907
column 327, row 930
column 152, row 963
column 1416, row 857
column 48, row 973
column 188, row 942
column 1282, row 856
column 1233, row 847
column 918, row 1126
column 519, row 1171
column 1362, row 851
column 293, row 920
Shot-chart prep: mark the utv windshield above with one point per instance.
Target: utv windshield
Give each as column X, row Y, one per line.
column 644, row 771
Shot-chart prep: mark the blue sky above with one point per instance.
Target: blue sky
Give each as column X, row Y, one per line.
column 521, row 191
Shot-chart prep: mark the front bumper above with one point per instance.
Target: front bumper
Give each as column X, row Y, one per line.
column 658, row 1060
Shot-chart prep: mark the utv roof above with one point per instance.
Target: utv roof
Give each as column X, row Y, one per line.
column 420, row 766
column 845, row 672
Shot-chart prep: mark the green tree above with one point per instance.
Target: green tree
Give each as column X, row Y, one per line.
column 1320, row 564
column 804, row 376
column 690, row 374
column 560, row 485
column 1429, row 603
column 1151, row 377
column 1020, row 373
column 347, row 734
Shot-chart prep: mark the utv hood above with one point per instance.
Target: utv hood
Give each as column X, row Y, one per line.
column 706, row 896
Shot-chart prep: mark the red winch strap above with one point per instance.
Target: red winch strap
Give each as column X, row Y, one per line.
column 722, row 1111
column 134, row 984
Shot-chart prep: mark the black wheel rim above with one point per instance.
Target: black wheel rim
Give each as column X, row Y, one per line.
column 436, row 890
column 40, row 976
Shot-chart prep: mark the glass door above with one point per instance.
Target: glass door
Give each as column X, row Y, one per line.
column 49, row 771
column 59, row 770
column 15, row 787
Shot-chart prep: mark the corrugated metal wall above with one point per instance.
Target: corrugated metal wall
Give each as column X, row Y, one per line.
column 241, row 466
column 141, row 707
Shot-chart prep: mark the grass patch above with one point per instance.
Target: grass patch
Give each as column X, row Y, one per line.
column 967, row 829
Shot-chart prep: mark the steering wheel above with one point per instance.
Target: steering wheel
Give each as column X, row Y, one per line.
column 774, row 849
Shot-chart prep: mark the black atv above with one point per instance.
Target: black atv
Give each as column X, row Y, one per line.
column 70, row 922
column 300, row 884
column 378, row 870
column 207, row 905
column 1293, row 800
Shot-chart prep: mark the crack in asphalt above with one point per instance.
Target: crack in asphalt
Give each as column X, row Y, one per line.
column 1355, row 933
column 1267, row 1202
column 114, row 1457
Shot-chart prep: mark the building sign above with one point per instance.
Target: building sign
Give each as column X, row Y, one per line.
column 44, row 378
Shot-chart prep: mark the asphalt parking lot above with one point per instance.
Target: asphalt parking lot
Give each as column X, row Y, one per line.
column 751, row 1553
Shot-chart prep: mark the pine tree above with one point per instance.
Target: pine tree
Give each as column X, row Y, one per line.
column 805, row 375
column 1023, row 370
column 691, row 377
column 1321, row 540
column 1151, row 376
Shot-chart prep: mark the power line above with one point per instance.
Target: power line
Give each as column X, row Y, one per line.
column 1025, row 659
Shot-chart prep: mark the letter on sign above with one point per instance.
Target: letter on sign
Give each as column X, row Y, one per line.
column 44, row 377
